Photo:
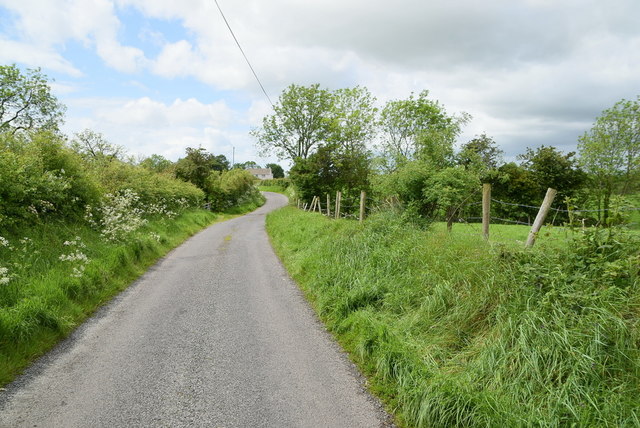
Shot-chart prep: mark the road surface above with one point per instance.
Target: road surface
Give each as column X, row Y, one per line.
column 215, row 335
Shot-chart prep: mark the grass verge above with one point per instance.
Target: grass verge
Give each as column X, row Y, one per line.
column 52, row 288
column 454, row 331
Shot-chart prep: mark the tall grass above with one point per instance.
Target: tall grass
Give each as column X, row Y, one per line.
column 57, row 273
column 455, row 331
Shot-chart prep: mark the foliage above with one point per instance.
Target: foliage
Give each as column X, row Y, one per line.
column 455, row 332
column 276, row 170
column 26, row 102
column 150, row 187
column 330, row 169
column 450, row 189
column 354, row 119
column 40, row 178
column 418, row 128
column 198, row 164
column 93, row 147
column 300, row 123
column 246, row 165
column 61, row 272
column 157, row 163
column 610, row 152
column 228, row 188
column 119, row 216
column 482, row 155
column 549, row 167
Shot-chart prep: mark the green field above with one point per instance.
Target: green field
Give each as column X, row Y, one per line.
column 456, row 331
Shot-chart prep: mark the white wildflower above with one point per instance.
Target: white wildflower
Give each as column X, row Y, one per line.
column 4, row 242
column 5, row 278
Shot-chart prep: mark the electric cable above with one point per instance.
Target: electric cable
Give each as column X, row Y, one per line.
column 243, row 54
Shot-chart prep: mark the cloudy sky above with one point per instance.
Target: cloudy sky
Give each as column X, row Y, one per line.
column 158, row 76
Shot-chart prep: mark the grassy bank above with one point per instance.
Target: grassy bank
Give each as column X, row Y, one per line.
column 454, row 331
column 56, row 274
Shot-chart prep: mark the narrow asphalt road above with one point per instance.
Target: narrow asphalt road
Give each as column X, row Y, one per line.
column 215, row 335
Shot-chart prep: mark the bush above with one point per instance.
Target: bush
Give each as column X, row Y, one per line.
column 229, row 188
column 41, row 178
column 152, row 188
column 279, row 182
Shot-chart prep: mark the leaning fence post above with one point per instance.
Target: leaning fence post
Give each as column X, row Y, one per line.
column 486, row 209
column 363, row 196
column 542, row 214
column 338, row 200
column 328, row 205
column 319, row 204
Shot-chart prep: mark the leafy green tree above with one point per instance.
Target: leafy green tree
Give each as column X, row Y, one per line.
column 93, row 147
column 516, row 185
column 301, row 122
column 26, row 102
column 552, row 168
column 246, row 165
column 418, row 128
column 354, row 118
column 221, row 163
column 481, row 152
column 610, row 152
column 276, row 170
column 449, row 190
column 157, row 163
column 197, row 165
column 331, row 169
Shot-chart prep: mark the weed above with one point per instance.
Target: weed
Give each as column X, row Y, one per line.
column 457, row 331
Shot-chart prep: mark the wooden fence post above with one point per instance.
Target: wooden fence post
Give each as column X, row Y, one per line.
column 328, row 205
column 486, row 209
column 542, row 214
column 338, row 200
column 319, row 205
column 363, row 196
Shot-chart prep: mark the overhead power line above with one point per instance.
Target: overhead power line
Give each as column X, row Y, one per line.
column 243, row 54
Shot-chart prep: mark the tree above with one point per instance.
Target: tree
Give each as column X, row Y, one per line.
column 197, row 166
column 276, row 170
column 221, row 163
column 481, row 151
column 354, row 118
column 417, row 128
column 331, row 169
column 246, row 165
column 610, row 151
column 26, row 102
column 156, row 163
column 450, row 189
column 301, row 122
column 92, row 146
column 549, row 167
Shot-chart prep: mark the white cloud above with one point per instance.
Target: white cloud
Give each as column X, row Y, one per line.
column 46, row 26
column 145, row 126
column 33, row 56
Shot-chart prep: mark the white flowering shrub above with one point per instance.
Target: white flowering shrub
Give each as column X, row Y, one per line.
column 5, row 276
column 76, row 258
column 118, row 216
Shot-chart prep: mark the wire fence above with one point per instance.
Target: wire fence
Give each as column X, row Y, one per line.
column 561, row 222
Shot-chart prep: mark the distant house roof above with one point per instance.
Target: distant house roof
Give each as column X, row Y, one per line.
column 263, row 173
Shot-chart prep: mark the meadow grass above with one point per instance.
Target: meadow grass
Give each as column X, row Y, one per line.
column 456, row 331
column 275, row 189
column 47, row 297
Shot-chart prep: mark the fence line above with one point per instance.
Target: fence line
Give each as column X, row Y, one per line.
column 359, row 208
